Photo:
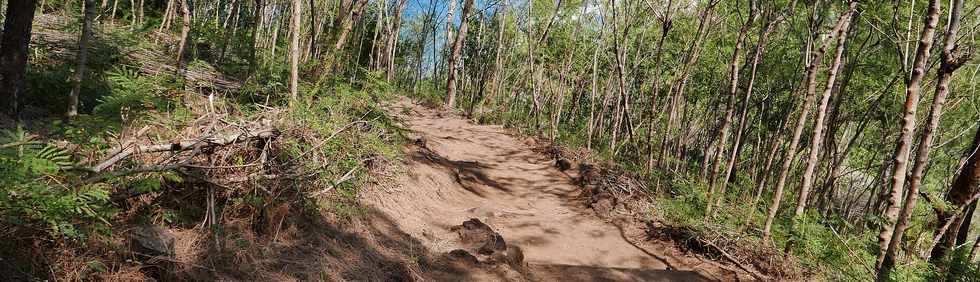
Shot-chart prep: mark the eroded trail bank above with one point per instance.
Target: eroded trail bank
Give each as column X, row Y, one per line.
column 458, row 170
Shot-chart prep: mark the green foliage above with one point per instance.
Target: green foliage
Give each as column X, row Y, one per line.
column 131, row 95
column 351, row 130
column 429, row 95
column 960, row 268
column 33, row 189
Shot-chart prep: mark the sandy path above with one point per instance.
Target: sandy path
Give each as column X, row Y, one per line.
column 480, row 171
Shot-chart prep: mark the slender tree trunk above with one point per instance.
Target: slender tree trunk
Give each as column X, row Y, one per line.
column 456, row 52
column 226, row 35
column 450, row 21
column 276, row 26
column 964, row 230
column 902, row 150
column 733, row 77
column 818, row 130
column 676, row 93
column 790, row 156
column 132, row 14
column 297, row 13
column 83, row 42
column 665, row 25
column 140, row 18
column 112, row 15
column 311, row 53
column 622, row 94
column 185, row 30
column 14, row 41
column 495, row 73
column 167, row 15
column 948, row 65
column 348, row 24
column 764, row 173
column 393, row 41
column 257, row 24
column 742, row 119
column 595, row 84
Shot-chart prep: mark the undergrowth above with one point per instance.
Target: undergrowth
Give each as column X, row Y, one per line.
column 334, row 140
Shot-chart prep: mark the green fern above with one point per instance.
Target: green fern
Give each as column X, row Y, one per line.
column 31, row 189
column 131, row 93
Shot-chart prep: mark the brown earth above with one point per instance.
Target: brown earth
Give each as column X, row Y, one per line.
column 457, row 170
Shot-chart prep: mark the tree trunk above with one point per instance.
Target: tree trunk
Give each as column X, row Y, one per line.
column 948, row 64
column 311, row 52
column 226, row 36
column 595, row 82
column 665, row 25
column 742, row 121
column 18, row 21
column 808, row 99
column 389, row 57
column 112, row 15
column 185, row 30
column 818, row 134
column 620, row 53
column 764, row 173
column 140, row 15
column 902, row 151
column 964, row 230
column 83, row 42
column 457, row 49
column 733, row 77
column 975, row 251
column 676, row 92
column 347, row 25
column 450, row 21
column 256, row 25
column 165, row 19
column 963, row 192
column 297, row 13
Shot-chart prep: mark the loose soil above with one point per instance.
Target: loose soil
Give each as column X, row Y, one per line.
column 457, row 170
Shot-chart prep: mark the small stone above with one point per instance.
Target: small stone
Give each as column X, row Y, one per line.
column 494, row 244
column 153, row 241
column 461, row 256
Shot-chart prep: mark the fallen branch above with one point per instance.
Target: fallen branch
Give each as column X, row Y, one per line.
column 736, row 261
column 187, row 144
column 347, row 176
column 114, row 174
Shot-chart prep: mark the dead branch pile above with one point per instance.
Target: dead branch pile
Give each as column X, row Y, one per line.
column 210, row 154
column 609, row 189
column 239, row 135
column 762, row 262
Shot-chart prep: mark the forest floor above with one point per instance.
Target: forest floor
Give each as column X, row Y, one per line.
column 458, row 170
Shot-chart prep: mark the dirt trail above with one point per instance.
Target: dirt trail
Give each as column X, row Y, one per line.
column 480, row 171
